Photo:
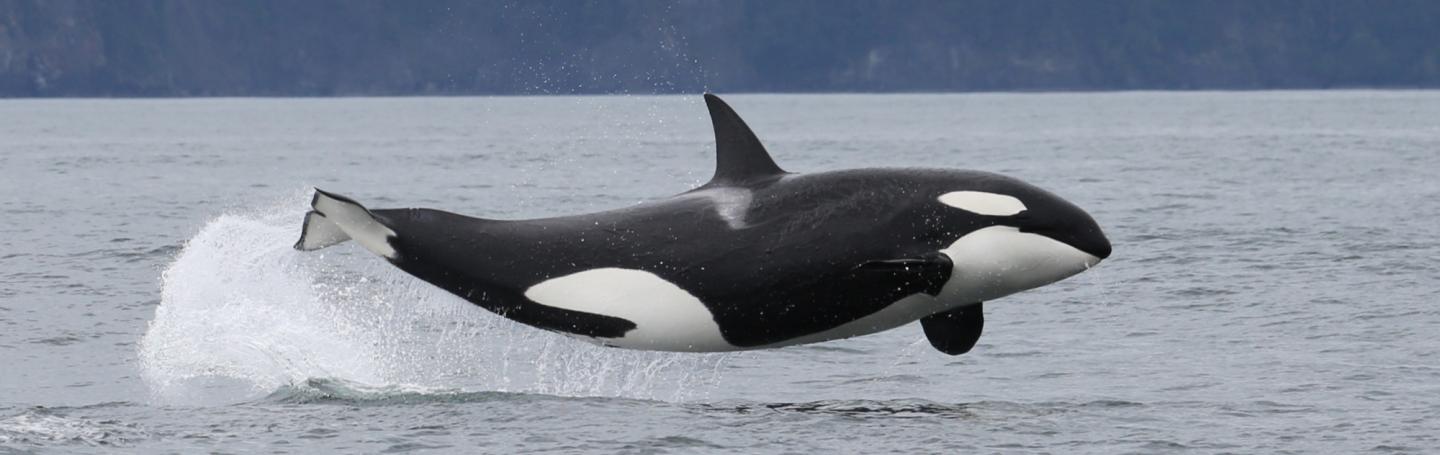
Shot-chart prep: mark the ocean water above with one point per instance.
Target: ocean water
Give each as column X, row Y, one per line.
column 1274, row 288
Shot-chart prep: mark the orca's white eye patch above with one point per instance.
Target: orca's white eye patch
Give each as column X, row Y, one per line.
column 983, row 203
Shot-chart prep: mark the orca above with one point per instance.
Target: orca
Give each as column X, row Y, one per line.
column 758, row 257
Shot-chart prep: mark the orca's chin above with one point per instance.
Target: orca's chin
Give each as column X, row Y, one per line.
column 1098, row 250
column 1095, row 245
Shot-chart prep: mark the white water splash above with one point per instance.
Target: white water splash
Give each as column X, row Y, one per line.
column 243, row 314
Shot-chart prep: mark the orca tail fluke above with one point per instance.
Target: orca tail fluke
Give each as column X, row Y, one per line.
column 319, row 232
column 334, row 219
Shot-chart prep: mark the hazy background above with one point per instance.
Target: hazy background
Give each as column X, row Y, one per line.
column 1273, row 288
column 372, row 47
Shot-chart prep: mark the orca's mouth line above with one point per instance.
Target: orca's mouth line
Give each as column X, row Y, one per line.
column 1091, row 243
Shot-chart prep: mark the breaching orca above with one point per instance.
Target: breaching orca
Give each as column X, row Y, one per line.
column 756, row 258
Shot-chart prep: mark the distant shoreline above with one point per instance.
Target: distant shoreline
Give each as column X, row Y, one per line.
column 742, row 93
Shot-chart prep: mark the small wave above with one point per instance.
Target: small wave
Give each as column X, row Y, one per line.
column 855, row 408
column 895, row 378
column 129, row 255
column 43, row 428
column 830, row 348
column 1105, row 404
column 334, row 391
column 65, row 340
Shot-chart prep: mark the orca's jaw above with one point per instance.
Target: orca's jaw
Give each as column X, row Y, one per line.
column 997, row 261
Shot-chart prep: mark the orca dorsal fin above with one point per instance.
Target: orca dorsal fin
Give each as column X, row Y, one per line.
column 739, row 156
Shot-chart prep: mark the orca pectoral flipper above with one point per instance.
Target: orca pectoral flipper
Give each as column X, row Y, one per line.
column 954, row 332
column 927, row 272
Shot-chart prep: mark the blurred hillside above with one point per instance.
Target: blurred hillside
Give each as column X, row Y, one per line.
column 374, row 47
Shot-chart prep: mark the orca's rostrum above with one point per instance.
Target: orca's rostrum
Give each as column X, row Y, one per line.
column 756, row 258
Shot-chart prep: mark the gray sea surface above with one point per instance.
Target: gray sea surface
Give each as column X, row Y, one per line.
column 1274, row 288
